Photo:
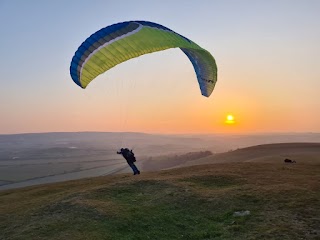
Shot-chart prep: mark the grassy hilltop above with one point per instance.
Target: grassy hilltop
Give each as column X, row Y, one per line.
column 196, row 202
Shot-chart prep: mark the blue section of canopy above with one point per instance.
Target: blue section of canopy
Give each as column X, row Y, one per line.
column 198, row 68
column 87, row 44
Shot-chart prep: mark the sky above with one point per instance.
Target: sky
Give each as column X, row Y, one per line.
column 267, row 53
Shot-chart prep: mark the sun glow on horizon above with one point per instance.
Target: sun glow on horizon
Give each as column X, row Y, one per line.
column 230, row 119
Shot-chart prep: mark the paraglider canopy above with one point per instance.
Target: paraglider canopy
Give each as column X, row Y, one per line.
column 120, row 42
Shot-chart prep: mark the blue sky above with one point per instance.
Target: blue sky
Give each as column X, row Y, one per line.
column 267, row 54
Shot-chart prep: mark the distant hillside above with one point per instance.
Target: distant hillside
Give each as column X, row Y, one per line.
column 144, row 144
column 300, row 152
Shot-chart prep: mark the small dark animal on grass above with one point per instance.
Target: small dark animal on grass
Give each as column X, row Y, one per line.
column 289, row 161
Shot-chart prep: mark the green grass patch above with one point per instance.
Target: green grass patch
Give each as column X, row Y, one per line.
column 145, row 210
column 155, row 207
column 161, row 210
column 214, row 181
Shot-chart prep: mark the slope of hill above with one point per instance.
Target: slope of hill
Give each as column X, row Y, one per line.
column 274, row 201
column 170, row 161
column 300, row 152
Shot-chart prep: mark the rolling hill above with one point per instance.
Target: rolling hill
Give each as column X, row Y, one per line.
column 268, row 153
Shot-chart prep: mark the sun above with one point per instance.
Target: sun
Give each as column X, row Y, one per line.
column 230, row 119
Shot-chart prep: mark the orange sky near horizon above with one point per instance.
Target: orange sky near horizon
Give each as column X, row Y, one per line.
column 108, row 105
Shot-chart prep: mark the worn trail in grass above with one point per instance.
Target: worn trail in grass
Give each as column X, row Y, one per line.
column 189, row 203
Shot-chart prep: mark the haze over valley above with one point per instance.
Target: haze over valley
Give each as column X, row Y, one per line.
column 29, row 159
